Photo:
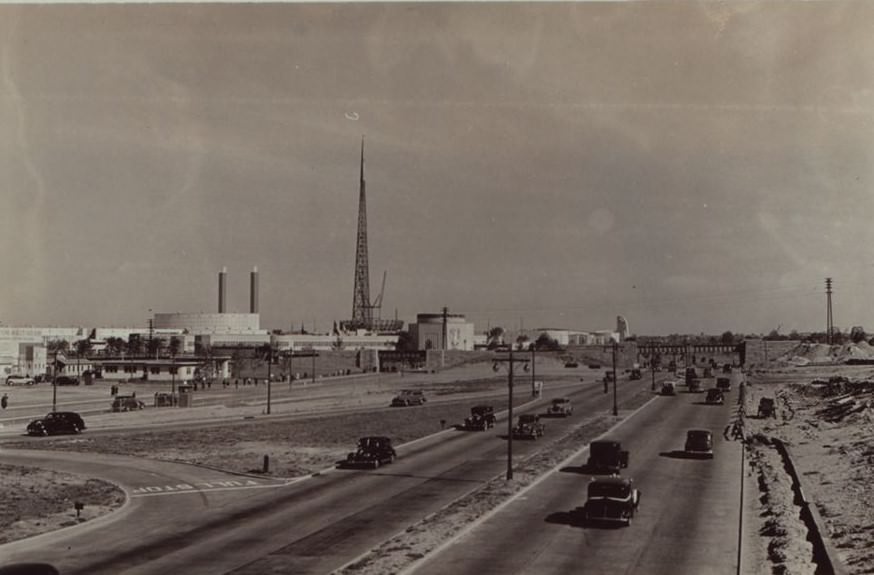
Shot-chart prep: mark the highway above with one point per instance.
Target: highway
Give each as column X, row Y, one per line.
column 310, row 526
column 687, row 521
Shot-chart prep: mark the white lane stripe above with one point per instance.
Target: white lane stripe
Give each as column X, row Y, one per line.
column 209, row 490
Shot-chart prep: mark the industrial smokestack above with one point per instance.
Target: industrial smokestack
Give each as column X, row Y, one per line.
column 223, row 290
column 253, row 290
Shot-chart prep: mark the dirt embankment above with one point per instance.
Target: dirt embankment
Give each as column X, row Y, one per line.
column 34, row 501
column 829, row 427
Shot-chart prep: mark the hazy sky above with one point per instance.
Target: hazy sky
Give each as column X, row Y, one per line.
column 692, row 166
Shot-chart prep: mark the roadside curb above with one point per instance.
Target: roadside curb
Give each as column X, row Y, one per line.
column 824, row 553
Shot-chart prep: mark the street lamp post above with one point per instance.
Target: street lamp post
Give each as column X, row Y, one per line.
column 269, row 374
column 652, row 364
column 55, row 383
column 615, row 407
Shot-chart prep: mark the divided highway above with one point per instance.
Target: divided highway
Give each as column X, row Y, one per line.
column 687, row 523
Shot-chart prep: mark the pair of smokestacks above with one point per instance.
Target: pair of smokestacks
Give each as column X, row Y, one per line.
column 223, row 290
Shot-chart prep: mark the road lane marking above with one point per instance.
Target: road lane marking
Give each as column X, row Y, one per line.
column 205, row 487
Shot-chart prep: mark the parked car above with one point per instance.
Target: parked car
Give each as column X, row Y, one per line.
column 528, row 426
column 409, row 397
column 561, row 407
column 126, row 403
column 635, row 374
column 714, row 397
column 606, row 456
column 611, row 499
column 66, row 380
column 482, row 417
column 56, row 422
column 372, row 451
column 699, row 443
column 669, row 388
column 767, row 407
column 571, row 364
column 723, row 383
column 20, row 380
column 694, row 385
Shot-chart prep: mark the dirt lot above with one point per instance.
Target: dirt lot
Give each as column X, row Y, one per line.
column 36, row 500
column 830, row 433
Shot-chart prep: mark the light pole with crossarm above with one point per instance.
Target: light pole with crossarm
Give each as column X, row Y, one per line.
column 510, row 360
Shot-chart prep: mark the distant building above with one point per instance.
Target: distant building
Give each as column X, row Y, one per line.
column 622, row 328
column 428, row 332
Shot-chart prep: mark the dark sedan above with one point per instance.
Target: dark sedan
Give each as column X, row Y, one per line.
column 56, row 422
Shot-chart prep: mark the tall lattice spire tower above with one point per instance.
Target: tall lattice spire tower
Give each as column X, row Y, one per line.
column 362, row 311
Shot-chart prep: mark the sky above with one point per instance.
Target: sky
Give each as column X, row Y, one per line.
column 694, row 167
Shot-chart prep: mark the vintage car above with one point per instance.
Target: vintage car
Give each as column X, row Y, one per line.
column 528, row 426
column 482, row 417
column 726, row 368
column 669, row 388
column 714, row 397
column 66, row 380
column 126, row 403
column 723, row 384
column 767, row 407
column 409, row 397
column 571, row 364
column 708, row 372
column 608, row 376
column 606, row 456
column 699, row 443
column 20, row 380
column 635, row 374
column 56, row 422
column 611, row 499
column 694, row 385
column 561, row 407
column 372, row 451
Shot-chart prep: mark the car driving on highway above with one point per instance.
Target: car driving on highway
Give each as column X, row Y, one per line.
column 561, row 407
column 481, row 418
column 126, row 403
column 372, row 451
column 714, row 397
column 409, row 397
column 528, row 426
column 606, row 456
column 56, row 422
column 611, row 499
column 699, row 443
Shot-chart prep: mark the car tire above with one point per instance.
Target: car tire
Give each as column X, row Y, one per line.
column 376, row 463
column 45, row 432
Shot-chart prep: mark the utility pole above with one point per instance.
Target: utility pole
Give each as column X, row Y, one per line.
column 445, row 320
column 269, row 373
column 615, row 407
column 55, row 382
column 829, row 329
column 511, row 360
column 652, row 364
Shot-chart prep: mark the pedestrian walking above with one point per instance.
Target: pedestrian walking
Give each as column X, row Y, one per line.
column 237, row 383
column 4, row 401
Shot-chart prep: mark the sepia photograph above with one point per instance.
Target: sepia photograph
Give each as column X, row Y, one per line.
column 490, row 287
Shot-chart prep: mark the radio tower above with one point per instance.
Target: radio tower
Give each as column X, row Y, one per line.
column 362, row 311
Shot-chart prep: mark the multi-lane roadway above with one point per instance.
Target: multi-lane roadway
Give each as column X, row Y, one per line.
column 184, row 519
